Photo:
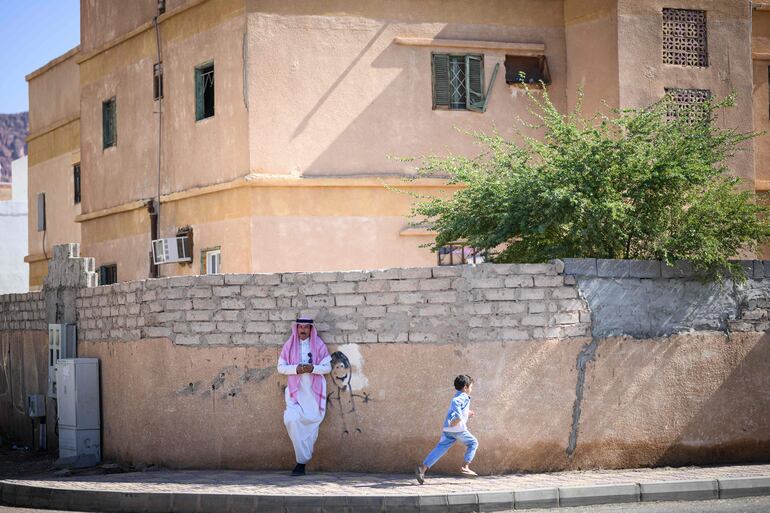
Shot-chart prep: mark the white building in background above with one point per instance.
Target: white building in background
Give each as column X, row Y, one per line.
column 14, row 271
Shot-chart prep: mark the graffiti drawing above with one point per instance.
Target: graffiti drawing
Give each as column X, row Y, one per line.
column 342, row 396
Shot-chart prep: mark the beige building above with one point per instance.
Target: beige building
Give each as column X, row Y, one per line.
column 267, row 129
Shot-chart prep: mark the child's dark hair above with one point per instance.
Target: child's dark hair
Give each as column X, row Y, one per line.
column 462, row 381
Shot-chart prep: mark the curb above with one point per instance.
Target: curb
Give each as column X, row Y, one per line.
column 26, row 496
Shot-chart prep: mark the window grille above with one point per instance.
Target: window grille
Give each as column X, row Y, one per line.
column 458, row 254
column 109, row 123
column 157, row 80
column 687, row 104
column 204, row 91
column 76, row 181
column 685, row 37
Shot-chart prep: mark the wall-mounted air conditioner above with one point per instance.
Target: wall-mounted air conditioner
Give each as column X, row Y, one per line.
column 171, row 250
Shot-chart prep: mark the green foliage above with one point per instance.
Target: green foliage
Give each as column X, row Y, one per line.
column 631, row 185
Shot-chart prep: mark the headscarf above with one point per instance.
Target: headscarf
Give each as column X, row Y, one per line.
column 290, row 355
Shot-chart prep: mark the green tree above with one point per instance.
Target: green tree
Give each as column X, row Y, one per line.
column 647, row 183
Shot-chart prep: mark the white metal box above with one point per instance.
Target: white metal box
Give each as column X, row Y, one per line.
column 36, row 405
column 62, row 343
column 78, row 411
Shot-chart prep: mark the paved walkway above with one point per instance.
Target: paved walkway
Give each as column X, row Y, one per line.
column 227, row 490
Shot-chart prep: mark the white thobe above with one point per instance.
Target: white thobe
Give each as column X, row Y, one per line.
column 303, row 416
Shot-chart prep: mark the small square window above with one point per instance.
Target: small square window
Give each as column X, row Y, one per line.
column 458, row 82
column 108, row 274
column 76, row 181
column 211, row 261
column 526, row 70
column 109, row 123
column 204, row 91
column 157, row 80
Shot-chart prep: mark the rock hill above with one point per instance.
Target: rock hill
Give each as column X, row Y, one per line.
column 13, row 132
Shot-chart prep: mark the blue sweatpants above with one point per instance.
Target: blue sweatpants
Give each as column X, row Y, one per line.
column 447, row 441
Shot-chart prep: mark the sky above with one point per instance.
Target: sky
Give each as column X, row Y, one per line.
column 32, row 32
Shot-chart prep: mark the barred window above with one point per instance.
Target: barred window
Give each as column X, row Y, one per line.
column 108, row 274
column 458, row 254
column 685, row 38
column 458, row 82
column 687, row 103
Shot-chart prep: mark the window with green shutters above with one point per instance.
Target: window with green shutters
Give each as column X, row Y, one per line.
column 458, row 82
column 204, row 91
column 109, row 123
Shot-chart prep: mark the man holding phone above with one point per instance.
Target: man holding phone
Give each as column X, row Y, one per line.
column 304, row 359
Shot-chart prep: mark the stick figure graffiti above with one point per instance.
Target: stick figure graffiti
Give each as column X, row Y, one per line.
column 342, row 395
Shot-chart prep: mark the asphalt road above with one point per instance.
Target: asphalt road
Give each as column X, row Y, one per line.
column 747, row 505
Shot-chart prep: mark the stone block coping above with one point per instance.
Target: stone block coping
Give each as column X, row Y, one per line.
column 609, row 268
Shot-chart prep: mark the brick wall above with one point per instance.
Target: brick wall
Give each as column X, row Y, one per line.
column 22, row 311
column 440, row 305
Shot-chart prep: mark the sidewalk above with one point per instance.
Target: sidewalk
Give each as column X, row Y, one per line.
column 240, row 491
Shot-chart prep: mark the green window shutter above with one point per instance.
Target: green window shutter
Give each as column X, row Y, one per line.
column 114, row 121
column 474, row 82
column 109, row 123
column 440, row 68
column 105, row 125
column 198, row 94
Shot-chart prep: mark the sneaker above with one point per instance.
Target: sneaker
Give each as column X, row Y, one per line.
column 468, row 472
column 299, row 470
column 419, row 473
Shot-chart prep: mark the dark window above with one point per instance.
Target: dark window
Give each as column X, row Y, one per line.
column 687, row 104
column 108, row 274
column 157, row 80
column 458, row 82
column 204, row 91
column 76, row 181
column 685, row 41
column 109, row 123
column 526, row 70
column 457, row 254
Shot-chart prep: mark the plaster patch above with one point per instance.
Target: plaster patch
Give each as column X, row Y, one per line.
column 359, row 381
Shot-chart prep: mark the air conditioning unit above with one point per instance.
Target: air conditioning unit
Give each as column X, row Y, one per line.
column 171, row 250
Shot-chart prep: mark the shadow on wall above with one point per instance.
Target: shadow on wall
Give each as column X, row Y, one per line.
column 392, row 115
column 23, row 371
column 687, row 399
column 738, row 411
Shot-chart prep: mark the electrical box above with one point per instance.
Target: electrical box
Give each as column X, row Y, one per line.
column 78, row 412
column 62, row 343
column 36, row 405
column 171, row 250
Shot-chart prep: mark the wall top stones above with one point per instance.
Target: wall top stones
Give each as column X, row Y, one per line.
column 612, row 268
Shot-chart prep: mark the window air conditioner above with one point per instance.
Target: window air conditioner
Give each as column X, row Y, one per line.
column 171, row 250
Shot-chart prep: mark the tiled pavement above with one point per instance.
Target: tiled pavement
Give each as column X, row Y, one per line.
column 267, row 487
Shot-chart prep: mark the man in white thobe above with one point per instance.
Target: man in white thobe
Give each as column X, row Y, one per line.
column 304, row 359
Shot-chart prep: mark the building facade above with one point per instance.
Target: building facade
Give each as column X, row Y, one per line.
column 267, row 131
column 14, row 273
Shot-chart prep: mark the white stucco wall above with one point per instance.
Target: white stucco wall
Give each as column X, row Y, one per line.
column 14, row 272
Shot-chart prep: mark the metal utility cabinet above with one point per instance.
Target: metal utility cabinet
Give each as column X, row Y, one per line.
column 78, row 411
